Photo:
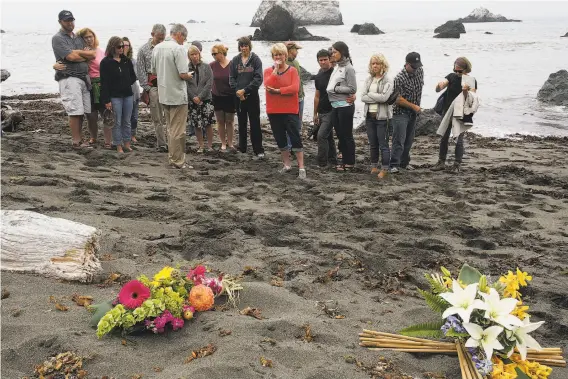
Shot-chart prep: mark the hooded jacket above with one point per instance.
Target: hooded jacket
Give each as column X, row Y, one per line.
column 385, row 88
column 246, row 76
column 342, row 82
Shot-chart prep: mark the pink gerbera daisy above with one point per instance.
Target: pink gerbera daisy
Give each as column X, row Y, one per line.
column 133, row 294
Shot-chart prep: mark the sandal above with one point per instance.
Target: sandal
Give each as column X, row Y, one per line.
column 340, row 168
column 92, row 141
column 81, row 145
column 108, row 146
column 133, row 139
column 348, row 168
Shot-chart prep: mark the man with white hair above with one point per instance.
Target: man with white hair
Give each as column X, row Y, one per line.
column 149, row 83
column 170, row 64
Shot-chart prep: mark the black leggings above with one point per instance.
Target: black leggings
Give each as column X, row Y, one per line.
column 343, row 125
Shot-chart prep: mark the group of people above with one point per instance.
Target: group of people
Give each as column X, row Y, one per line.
column 186, row 96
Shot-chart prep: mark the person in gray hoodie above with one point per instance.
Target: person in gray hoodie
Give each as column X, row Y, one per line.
column 376, row 91
column 201, row 113
column 342, row 84
column 245, row 79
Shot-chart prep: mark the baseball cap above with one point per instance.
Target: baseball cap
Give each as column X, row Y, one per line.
column 413, row 59
column 292, row 45
column 66, row 16
column 198, row 45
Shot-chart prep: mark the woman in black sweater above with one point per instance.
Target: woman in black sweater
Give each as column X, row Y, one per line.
column 117, row 77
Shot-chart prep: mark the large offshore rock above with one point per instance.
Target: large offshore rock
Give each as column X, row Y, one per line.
column 483, row 15
column 5, row 74
column 555, row 89
column 451, row 26
column 427, row 123
column 322, row 12
column 278, row 25
column 368, row 28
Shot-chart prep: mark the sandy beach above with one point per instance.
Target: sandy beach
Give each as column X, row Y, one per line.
column 337, row 244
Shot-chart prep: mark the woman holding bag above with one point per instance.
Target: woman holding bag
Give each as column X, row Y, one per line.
column 377, row 90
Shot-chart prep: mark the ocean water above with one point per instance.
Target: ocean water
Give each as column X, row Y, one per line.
column 510, row 65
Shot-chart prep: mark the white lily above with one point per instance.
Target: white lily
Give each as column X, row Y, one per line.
column 485, row 338
column 499, row 310
column 524, row 341
column 463, row 301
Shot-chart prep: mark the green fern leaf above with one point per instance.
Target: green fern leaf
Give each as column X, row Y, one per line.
column 426, row 329
column 453, row 333
column 435, row 302
column 435, row 286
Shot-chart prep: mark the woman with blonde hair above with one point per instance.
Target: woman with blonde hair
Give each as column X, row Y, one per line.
column 92, row 42
column 223, row 96
column 456, row 83
column 376, row 91
column 201, row 111
column 282, row 83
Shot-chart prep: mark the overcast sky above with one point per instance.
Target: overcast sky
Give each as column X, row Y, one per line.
column 18, row 14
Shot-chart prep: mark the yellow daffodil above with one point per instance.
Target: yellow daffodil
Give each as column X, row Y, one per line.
column 523, row 277
column 503, row 371
column 511, row 285
column 164, row 273
column 520, row 310
column 534, row 370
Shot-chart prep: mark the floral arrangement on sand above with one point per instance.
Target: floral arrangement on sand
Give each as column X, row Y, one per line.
column 488, row 322
column 164, row 302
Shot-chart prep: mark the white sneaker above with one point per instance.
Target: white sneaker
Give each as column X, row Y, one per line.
column 394, row 170
column 302, row 173
column 410, row 168
column 260, row 156
column 285, row 169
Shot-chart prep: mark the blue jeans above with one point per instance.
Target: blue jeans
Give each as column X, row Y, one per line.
column 377, row 131
column 300, row 114
column 134, row 117
column 122, row 107
column 404, row 126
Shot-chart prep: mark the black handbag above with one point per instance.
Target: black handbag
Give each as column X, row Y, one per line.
column 439, row 108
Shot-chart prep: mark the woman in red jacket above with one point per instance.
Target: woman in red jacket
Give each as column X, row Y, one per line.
column 282, row 83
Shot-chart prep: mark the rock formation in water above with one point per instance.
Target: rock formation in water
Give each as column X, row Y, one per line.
column 2, row 31
column 321, row 12
column 483, row 15
column 555, row 89
column 369, row 29
column 487, row 33
column 427, row 123
column 450, row 26
column 565, row 35
column 448, row 35
column 355, row 28
column 5, row 74
column 278, row 25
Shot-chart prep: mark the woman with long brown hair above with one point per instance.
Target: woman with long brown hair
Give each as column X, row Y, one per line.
column 135, row 90
column 117, row 78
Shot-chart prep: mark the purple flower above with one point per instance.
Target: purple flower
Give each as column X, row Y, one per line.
column 482, row 364
column 177, row 323
column 454, row 323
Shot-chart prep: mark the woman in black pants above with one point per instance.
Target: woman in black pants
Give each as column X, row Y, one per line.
column 245, row 79
column 343, row 84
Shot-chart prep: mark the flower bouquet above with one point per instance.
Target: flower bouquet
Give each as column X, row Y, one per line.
column 486, row 325
column 168, row 300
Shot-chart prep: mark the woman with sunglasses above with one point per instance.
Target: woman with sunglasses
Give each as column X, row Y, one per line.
column 453, row 83
column 117, row 78
column 223, row 96
column 135, row 90
column 201, row 113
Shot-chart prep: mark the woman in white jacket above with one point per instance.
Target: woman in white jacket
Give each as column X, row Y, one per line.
column 376, row 91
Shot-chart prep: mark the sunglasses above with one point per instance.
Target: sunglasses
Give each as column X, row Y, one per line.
column 213, row 54
column 120, row 47
column 458, row 71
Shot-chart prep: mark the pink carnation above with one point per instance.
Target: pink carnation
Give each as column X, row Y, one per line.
column 133, row 294
column 197, row 274
column 177, row 323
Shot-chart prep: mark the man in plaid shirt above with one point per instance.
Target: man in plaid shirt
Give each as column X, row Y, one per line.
column 408, row 83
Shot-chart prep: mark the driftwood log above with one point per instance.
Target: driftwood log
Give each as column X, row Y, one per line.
column 53, row 247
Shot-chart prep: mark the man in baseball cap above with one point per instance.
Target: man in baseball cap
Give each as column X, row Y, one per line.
column 413, row 59
column 408, row 83
column 66, row 16
column 293, row 48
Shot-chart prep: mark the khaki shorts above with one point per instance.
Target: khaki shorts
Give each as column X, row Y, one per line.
column 75, row 97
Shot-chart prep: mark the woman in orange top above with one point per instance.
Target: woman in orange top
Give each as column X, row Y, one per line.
column 282, row 83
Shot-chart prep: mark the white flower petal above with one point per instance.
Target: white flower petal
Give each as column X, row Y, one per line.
column 449, row 297
column 508, row 320
column 471, row 342
column 450, row 311
column 527, row 328
column 474, row 330
column 522, row 350
column 493, row 332
column 507, row 305
column 465, row 314
column 532, row 343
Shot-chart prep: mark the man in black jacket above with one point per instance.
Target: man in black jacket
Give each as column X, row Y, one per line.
column 245, row 79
